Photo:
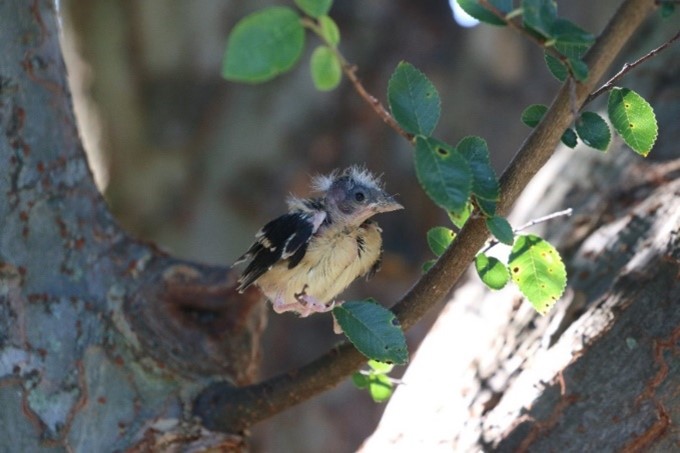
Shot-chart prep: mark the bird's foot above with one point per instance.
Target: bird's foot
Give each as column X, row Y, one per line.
column 309, row 304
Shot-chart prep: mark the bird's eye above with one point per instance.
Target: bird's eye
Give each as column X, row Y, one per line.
column 359, row 196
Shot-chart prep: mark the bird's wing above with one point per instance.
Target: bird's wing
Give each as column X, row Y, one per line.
column 285, row 237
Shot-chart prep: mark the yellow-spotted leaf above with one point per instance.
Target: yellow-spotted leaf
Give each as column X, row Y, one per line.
column 633, row 118
column 537, row 269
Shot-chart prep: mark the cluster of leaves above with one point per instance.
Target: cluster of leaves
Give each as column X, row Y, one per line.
column 564, row 44
column 376, row 380
column 458, row 178
column 271, row 41
column 534, row 265
column 631, row 116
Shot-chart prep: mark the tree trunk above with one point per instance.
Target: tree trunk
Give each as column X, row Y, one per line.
column 104, row 340
column 600, row 372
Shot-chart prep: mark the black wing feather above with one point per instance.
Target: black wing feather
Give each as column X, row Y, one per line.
column 284, row 237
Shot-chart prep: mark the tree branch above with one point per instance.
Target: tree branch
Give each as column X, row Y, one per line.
column 225, row 408
column 628, row 67
column 350, row 71
column 516, row 25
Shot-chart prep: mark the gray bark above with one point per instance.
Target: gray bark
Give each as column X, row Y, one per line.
column 104, row 339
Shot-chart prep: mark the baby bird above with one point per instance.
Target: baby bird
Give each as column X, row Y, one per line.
column 303, row 259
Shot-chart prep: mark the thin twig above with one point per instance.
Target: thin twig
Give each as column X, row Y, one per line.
column 628, row 66
column 350, row 71
column 567, row 212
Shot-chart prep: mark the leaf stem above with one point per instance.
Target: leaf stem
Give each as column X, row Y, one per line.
column 350, row 71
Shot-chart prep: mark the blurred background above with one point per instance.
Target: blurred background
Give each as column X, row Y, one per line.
column 197, row 164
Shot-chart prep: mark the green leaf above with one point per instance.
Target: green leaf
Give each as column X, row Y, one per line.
column 459, row 218
column 488, row 207
column 329, row 30
column 569, row 138
column 474, row 9
column 633, row 118
column 380, row 387
column 413, row 99
column 533, row 114
column 492, row 272
column 484, row 181
column 373, row 330
column 501, row 229
column 444, row 174
column 570, row 40
column 263, row 45
column 439, row 239
column 325, row 68
column 314, row 8
column 360, row 380
column 557, row 69
column 579, row 68
column 427, row 265
column 380, row 367
column 539, row 15
column 667, row 9
column 593, row 131
column 537, row 269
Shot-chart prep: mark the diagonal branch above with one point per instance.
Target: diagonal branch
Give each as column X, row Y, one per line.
column 229, row 409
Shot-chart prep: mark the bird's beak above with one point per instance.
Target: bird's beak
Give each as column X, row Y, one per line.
column 387, row 204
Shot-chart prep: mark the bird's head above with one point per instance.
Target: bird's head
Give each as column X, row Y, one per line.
column 355, row 195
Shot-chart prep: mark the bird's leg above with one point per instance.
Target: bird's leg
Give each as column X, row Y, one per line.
column 280, row 306
column 311, row 304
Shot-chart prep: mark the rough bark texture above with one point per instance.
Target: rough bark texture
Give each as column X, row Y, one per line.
column 601, row 371
column 103, row 339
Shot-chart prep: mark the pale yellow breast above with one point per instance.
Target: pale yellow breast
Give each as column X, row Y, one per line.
column 331, row 263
